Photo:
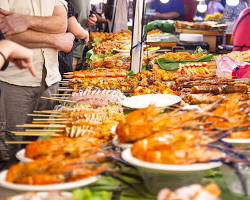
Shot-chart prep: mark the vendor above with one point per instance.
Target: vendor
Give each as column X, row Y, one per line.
column 231, row 13
column 241, row 31
column 173, row 9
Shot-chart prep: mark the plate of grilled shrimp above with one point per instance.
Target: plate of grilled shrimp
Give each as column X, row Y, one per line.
column 49, row 187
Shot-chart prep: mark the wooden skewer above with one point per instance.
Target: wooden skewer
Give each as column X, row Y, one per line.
column 68, row 76
column 17, row 142
column 50, row 122
column 68, row 73
column 59, row 89
column 57, row 99
column 44, row 130
column 44, row 119
column 41, row 126
column 61, row 95
column 63, row 81
column 47, row 111
column 41, row 115
column 36, row 134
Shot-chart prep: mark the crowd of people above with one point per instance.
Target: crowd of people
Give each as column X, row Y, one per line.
column 40, row 39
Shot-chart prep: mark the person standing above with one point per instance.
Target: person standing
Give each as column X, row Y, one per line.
column 22, row 57
column 241, row 31
column 215, row 6
column 174, row 9
column 39, row 25
column 120, row 12
column 231, row 13
column 83, row 8
column 190, row 7
column 81, row 35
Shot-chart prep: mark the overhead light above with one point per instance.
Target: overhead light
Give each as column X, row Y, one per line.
column 164, row 1
column 202, row 7
column 232, row 2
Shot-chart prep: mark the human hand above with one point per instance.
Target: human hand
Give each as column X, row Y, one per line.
column 91, row 20
column 19, row 55
column 64, row 41
column 12, row 23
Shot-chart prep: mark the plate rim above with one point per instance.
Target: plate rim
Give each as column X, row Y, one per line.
column 117, row 143
column 179, row 99
column 127, row 156
column 60, row 186
column 20, row 155
column 236, row 141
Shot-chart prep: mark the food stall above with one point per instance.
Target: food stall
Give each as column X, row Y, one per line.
column 172, row 124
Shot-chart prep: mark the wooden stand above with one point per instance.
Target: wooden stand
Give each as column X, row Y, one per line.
column 209, row 36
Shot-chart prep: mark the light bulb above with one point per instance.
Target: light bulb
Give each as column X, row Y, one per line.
column 232, row 2
column 164, row 1
column 202, row 7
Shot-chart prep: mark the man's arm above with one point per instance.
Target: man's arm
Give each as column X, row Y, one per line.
column 169, row 15
column 76, row 29
column 12, row 23
column 34, row 39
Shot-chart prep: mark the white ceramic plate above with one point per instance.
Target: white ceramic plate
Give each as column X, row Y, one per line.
column 123, row 41
column 237, row 141
column 117, row 143
column 20, row 155
column 61, row 186
column 143, row 101
column 40, row 194
column 153, row 39
column 127, row 156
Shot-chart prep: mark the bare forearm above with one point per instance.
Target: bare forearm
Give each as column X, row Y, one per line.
column 5, row 48
column 52, row 24
column 169, row 15
column 76, row 29
column 34, row 39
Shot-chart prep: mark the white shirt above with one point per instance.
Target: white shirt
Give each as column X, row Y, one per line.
column 47, row 57
column 214, row 7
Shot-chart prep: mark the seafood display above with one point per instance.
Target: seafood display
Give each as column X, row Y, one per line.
column 179, row 56
column 175, row 147
column 194, row 69
column 60, row 169
column 223, row 115
column 115, row 61
column 81, row 132
column 97, row 73
column 238, row 55
column 61, row 146
column 98, row 97
column 191, row 192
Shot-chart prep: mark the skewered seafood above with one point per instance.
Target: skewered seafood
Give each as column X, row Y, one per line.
column 102, row 83
column 96, row 73
column 208, row 98
column 97, row 97
column 194, row 69
column 91, row 130
column 224, row 89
